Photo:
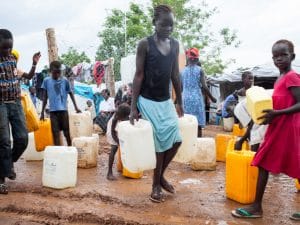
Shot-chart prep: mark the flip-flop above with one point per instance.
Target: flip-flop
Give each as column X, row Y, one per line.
column 157, row 199
column 243, row 213
column 295, row 216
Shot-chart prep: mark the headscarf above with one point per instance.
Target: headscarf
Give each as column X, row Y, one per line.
column 192, row 53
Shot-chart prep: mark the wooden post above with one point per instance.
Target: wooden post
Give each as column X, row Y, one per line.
column 52, row 47
column 110, row 78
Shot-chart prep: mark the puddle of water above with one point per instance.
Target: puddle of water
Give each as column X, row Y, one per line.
column 190, row 181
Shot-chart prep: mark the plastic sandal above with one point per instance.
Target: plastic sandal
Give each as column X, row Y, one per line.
column 243, row 213
column 156, row 196
column 295, row 216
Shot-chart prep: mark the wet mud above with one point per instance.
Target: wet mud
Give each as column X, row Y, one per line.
column 200, row 197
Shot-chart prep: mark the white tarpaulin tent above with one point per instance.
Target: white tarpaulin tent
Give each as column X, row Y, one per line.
column 264, row 75
column 264, row 70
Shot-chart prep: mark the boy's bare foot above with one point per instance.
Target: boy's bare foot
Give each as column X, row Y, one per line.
column 111, row 177
column 167, row 186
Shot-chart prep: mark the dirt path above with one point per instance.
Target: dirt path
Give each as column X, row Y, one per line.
column 200, row 198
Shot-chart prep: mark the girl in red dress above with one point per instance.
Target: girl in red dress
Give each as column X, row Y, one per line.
column 280, row 150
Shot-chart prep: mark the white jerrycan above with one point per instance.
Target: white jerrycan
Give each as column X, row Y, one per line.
column 60, row 167
column 188, row 126
column 80, row 124
column 137, row 144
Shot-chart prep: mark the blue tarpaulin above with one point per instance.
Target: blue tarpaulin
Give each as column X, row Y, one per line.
column 83, row 90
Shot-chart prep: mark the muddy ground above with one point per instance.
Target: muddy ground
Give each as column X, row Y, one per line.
column 200, row 198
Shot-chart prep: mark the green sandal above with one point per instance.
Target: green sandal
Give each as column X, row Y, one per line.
column 3, row 189
column 295, row 216
column 243, row 213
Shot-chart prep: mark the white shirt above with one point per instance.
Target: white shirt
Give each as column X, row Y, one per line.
column 109, row 137
column 108, row 105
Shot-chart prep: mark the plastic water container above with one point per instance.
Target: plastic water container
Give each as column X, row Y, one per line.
column 205, row 158
column 31, row 116
column 241, row 177
column 81, row 124
column 30, row 154
column 125, row 172
column 43, row 136
column 258, row 99
column 241, row 113
column 297, row 184
column 87, row 151
column 188, row 126
column 60, row 167
column 98, row 141
column 137, row 144
column 228, row 124
column 231, row 143
column 221, row 146
column 237, row 131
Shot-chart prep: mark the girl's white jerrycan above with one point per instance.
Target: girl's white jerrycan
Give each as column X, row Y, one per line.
column 87, row 148
column 60, row 167
column 81, row 124
column 137, row 144
column 188, row 126
column 30, row 154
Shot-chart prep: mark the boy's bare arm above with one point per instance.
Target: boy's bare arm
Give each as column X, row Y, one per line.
column 45, row 99
column 35, row 60
column 74, row 102
column 239, row 143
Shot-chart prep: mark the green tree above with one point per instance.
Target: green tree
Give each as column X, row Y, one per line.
column 112, row 37
column 192, row 29
column 73, row 57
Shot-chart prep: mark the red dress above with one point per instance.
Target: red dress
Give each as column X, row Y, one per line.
column 280, row 150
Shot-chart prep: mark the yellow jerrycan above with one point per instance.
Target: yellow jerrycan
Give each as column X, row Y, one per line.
column 43, row 136
column 125, row 172
column 31, row 116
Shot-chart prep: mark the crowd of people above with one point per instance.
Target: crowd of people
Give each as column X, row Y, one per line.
column 149, row 97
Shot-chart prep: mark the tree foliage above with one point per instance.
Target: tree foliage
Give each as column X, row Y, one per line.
column 113, row 36
column 73, row 57
column 192, row 29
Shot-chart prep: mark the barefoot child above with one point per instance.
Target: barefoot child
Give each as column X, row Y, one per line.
column 11, row 111
column 280, row 150
column 121, row 114
column 57, row 89
column 156, row 67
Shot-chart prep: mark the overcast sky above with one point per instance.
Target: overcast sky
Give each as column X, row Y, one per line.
column 259, row 23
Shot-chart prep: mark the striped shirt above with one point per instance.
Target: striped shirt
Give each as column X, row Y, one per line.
column 9, row 79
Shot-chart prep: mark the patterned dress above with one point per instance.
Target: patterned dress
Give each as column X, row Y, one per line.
column 193, row 102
